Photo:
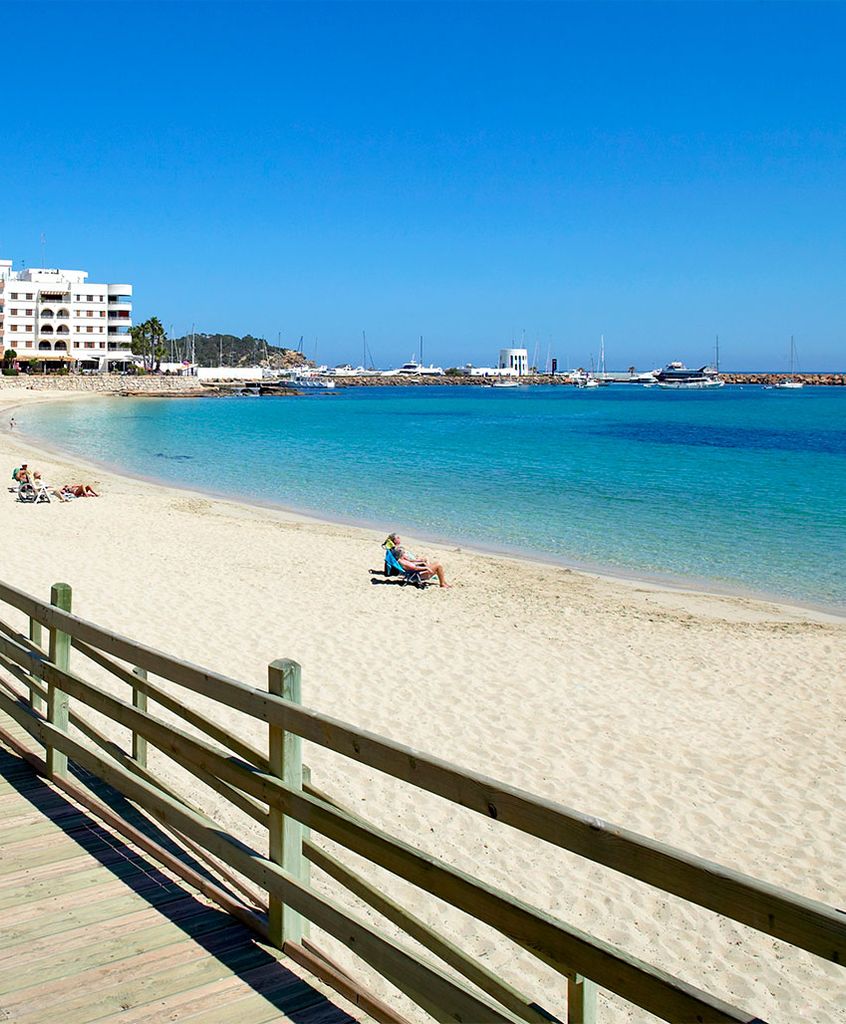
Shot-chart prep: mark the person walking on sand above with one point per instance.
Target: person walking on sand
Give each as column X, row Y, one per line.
column 12, row 423
column 426, row 568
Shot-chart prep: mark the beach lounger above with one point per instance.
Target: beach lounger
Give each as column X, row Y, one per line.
column 412, row 576
column 33, row 494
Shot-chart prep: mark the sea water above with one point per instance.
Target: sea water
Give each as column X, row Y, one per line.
column 741, row 488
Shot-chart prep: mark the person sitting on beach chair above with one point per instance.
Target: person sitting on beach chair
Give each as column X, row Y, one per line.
column 422, row 567
column 22, row 474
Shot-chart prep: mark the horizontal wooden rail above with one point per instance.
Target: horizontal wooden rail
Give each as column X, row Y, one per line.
column 443, row 997
column 795, row 919
column 205, row 725
column 415, row 927
column 563, row 947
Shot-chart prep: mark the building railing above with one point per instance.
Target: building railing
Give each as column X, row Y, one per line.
column 272, row 787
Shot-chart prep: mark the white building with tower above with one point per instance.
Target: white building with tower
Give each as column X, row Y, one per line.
column 55, row 318
column 514, row 359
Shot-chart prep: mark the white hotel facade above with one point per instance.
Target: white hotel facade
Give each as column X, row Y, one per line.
column 54, row 318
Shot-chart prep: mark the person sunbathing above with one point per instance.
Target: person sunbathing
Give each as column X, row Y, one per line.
column 80, row 491
column 426, row 568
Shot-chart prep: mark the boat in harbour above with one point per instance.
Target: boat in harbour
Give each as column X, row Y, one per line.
column 505, row 383
column 791, row 383
column 413, row 369
column 678, row 377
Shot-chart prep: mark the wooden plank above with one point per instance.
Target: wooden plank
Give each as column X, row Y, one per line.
column 70, row 953
column 563, row 947
column 136, row 982
column 103, row 905
column 803, row 922
column 285, row 832
column 98, row 883
column 102, row 986
column 272, row 981
column 57, row 699
column 246, row 915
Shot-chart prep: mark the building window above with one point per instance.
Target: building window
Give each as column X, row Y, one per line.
column 102, row 344
column 13, row 327
column 89, row 298
column 13, row 312
column 102, row 312
column 29, row 295
column 29, row 312
column 89, row 330
column 77, row 298
column 14, row 295
column 89, row 344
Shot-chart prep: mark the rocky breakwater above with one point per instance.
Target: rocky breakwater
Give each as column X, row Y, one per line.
column 152, row 386
column 817, row 379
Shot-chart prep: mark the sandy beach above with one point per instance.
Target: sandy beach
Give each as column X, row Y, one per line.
column 711, row 722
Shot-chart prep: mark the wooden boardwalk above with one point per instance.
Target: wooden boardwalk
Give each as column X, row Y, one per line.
column 92, row 929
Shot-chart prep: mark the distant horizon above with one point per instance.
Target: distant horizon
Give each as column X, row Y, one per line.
column 464, row 171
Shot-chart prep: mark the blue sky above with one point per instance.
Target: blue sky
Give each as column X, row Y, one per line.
column 659, row 173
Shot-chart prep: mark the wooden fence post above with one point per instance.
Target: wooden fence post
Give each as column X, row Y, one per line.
column 35, row 701
column 581, row 1001
column 139, row 700
column 306, row 875
column 57, row 700
column 285, row 834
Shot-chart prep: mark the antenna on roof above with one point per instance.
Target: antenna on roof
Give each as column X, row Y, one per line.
column 43, row 247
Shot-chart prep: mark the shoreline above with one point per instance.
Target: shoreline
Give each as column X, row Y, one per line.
column 612, row 574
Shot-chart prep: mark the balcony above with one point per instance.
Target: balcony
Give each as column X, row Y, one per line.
column 119, row 348
column 121, row 315
column 120, row 300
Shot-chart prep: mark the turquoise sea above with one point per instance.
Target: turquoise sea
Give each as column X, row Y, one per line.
column 741, row 489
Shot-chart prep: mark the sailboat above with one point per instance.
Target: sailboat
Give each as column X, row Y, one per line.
column 791, row 383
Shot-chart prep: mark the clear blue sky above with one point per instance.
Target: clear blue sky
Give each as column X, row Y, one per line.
column 658, row 173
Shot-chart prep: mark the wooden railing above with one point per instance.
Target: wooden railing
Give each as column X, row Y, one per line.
column 273, row 789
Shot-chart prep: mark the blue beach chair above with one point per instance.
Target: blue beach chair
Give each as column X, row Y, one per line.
column 393, row 568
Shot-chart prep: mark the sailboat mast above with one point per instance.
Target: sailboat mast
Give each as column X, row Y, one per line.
column 717, row 354
column 421, row 349
column 363, row 350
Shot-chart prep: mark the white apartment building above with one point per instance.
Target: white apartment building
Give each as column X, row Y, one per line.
column 55, row 318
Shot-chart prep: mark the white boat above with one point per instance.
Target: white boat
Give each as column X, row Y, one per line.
column 690, row 385
column 505, row 383
column 313, row 383
column 585, row 380
column 678, row 377
column 414, row 369
column 791, row 384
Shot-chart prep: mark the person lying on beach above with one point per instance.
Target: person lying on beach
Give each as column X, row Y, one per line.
column 426, row 568
column 79, row 491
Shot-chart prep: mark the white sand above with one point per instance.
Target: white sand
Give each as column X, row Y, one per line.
column 713, row 723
